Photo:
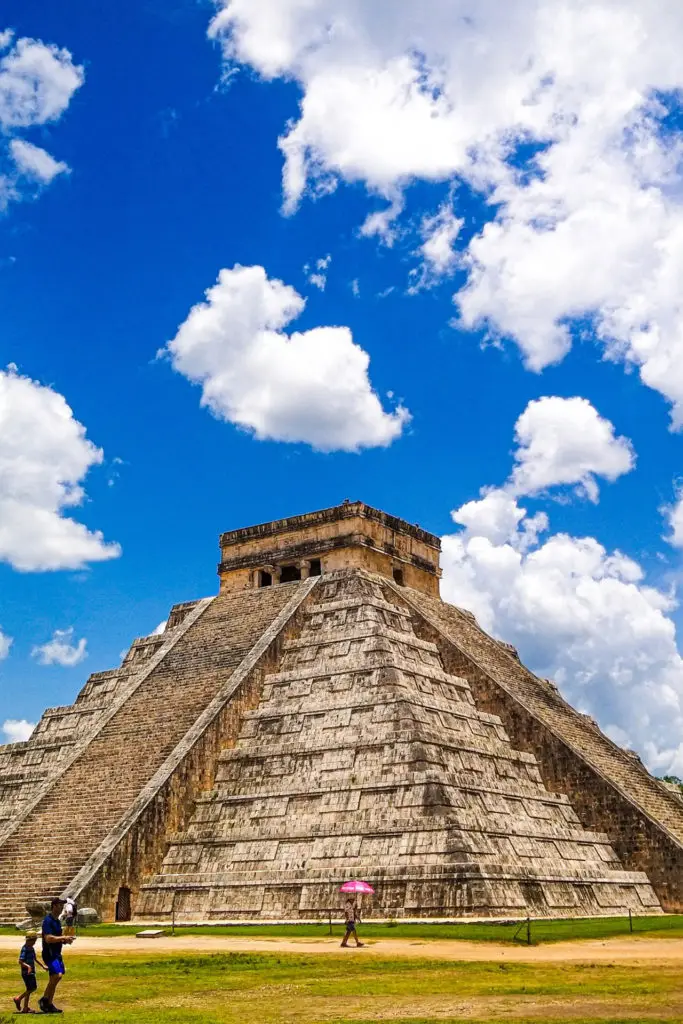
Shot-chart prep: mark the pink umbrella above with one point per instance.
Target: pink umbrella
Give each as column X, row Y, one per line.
column 356, row 886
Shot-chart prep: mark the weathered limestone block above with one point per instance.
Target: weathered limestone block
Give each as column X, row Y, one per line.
column 87, row 915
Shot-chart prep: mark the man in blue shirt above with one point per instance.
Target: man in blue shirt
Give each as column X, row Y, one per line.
column 53, row 940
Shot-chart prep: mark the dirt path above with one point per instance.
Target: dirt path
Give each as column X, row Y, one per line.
column 613, row 950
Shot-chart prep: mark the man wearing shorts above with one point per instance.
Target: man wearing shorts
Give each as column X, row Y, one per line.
column 53, row 940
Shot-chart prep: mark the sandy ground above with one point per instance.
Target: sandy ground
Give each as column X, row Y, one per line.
column 619, row 950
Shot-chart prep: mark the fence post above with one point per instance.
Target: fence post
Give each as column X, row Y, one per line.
column 330, row 913
column 528, row 931
column 630, row 921
column 175, row 893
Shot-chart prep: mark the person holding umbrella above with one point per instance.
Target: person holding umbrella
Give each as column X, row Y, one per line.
column 352, row 916
column 351, row 911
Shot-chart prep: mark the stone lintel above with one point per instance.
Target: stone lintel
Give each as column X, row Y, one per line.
column 352, row 535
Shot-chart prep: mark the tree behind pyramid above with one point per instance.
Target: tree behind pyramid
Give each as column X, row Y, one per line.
column 327, row 717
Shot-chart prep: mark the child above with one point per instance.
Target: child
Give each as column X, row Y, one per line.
column 27, row 962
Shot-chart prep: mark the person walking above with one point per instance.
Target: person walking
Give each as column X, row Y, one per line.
column 53, row 941
column 352, row 917
column 69, row 917
column 27, row 963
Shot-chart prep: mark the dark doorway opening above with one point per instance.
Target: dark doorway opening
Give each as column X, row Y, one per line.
column 398, row 577
column 123, row 905
column 265, row 579
column 316, row 568
column 290, row 573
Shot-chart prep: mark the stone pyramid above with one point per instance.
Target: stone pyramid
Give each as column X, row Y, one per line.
column 326, row 716
column 364, row 758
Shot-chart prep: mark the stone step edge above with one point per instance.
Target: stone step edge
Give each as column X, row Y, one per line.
column 206, row 718
column 29, row 776
column 580, row 837
column 407, row 874
column 453, row 874
column 275, row 708
column 357, row 602
column 261, row 751
column 508, row 753
column 315, row 828
column 374, row 631
column 245, row 800
column 419, row 669
column 378, row 785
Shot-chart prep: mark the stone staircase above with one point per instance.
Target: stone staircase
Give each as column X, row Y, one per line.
column 27, row 766
column 76, row 808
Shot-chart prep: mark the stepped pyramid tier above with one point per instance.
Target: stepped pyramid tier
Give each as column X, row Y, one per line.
column 365, row 758
column 327, row 716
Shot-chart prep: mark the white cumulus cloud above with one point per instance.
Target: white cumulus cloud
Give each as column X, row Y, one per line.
column 35, row 162
column 495, row 516
column 16, row 730
column 60, row 650
column 560, row 442
column 309, row 386
column 44, row 456
column 578, row 613
column 583, row 616
column 556, row 111
column 566, row 441
column 37, row 83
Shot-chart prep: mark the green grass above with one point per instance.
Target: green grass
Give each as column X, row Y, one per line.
column 227, row 988
column 541, row 931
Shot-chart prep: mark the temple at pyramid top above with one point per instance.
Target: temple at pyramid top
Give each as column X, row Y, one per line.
column 352, row 535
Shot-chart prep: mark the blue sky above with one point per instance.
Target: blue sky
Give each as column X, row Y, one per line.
column 175, row 174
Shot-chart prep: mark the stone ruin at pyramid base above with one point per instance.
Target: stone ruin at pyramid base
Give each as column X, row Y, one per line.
column 325, row 717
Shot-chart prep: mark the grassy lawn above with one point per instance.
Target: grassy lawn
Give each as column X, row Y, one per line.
column 245, row 988
column 541, row 931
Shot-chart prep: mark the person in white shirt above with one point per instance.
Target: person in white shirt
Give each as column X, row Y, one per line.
column 69, row 917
